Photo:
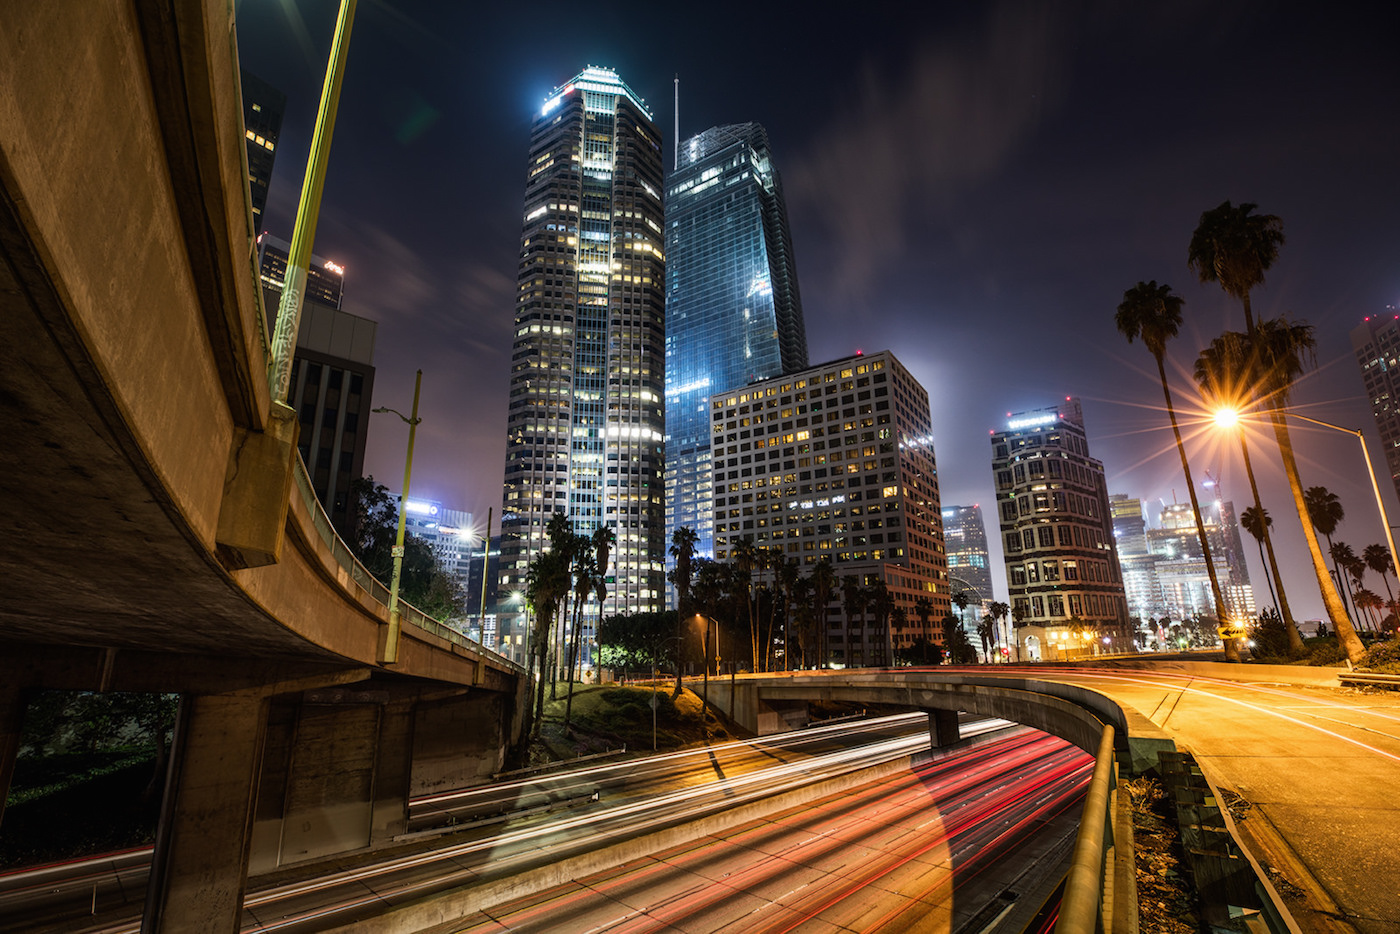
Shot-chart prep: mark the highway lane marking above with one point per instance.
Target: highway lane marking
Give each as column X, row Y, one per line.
column 1265, row 710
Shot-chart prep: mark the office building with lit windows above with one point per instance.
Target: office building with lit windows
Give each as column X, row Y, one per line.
column 733, row 311
column 263, row 106
column 585, row 420
column 1056, row 528
column 1376, row 342
column 332, row 383
column 965, row 537
column 836, row 461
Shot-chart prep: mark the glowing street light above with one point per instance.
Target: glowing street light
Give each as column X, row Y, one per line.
column 1228, row 417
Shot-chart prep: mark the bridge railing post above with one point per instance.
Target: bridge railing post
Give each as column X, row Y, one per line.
column 1081, row 910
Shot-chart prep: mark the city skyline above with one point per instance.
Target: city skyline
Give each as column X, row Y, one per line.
column 992, row 262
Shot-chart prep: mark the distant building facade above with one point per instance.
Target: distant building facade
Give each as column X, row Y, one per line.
column 733, row 311
column 836, row 461
column 263, row 106
column 965, row 536
column 325, row 280
column 1055, row 523
column 1376, row 342
column 332, row 382
column 1164, row 570
column 585, row 421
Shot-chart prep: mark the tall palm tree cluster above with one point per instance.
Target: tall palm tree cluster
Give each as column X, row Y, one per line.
column 1250, row 372
column 558, row 586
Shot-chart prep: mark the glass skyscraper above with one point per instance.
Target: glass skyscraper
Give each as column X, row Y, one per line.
column 733, row 312
column 584, row 429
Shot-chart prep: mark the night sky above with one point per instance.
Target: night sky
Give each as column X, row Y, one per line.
column 971, row 185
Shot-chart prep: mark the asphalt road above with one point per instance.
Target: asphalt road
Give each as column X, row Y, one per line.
column 1315, row 768
column 501, row 828
column 926, row 849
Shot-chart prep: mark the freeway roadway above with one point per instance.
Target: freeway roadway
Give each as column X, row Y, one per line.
column 1308, row 769
column 500, row 829
column 957, row 843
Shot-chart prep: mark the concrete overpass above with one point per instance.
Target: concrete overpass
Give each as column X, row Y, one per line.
column 159, row 533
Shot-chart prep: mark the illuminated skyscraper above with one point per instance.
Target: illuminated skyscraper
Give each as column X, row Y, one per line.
column 262, row 124
column 966, row 538
column 733, row 312
column 1376, row 342
column 836, row 462
column 584, row 429
column 1057, row 530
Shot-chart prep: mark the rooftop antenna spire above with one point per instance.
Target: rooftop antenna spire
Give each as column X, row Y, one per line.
column 676, row 141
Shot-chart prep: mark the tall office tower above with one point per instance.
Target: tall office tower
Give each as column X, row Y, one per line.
column 1139, row 566
column 965, row 536
column 733, row 312
column 332, row 382
column 836, row 461
column 1057, row 531
column 1377, row 344
column 584, row 429
column 263, row 106
column 1181, row 566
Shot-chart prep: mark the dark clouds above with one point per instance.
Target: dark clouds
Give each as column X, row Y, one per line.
column 971, row 185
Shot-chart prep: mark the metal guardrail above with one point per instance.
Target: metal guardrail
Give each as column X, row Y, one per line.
column 1083, row 899
column 408, row 613
column 1369, row 678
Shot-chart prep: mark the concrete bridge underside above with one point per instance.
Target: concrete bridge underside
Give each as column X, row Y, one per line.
column 155, row 538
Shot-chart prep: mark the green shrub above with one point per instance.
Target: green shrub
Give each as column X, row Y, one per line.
column 1325, row 652
column 1383, row 657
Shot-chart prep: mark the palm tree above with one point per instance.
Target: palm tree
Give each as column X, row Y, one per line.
column 587, row 580
column 1152, row 313
column 853, row 602
column 803, row 617
column 923, row 609
column 1370, row 603
column 747, row 557
column 1223, row 371
column 1344, row 558
column 1018, row 613
column 1256, row 522
column 1377, row 558
column 683, row 542
column 1326, row 513
column 787, row 574
column 999, row 612
column 546, row 582
column 1281, row 350
column 823, row 583
column 1234, row 246
column 881, row 604
column 962, row 600
column 984, row 632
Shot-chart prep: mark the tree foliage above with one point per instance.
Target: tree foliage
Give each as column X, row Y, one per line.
column 424, row 581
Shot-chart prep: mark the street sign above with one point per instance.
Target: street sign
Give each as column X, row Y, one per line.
column 1231, row 632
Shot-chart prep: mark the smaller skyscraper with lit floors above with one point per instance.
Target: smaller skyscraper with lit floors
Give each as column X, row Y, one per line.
column 836, row 461
column 1057, row 531
column 1376, row 342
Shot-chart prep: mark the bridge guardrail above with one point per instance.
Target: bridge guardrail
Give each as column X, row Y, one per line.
column 408, row 613
column 1083, row 900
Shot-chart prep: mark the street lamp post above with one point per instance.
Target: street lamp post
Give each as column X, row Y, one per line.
column 1227, row 416
column 1370, row 470
column 390, row 655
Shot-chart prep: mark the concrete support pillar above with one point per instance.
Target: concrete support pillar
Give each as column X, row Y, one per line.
column 459, row 741
column 12, row 704
column 942, row 727
column 392, row 773
column 200, row 869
